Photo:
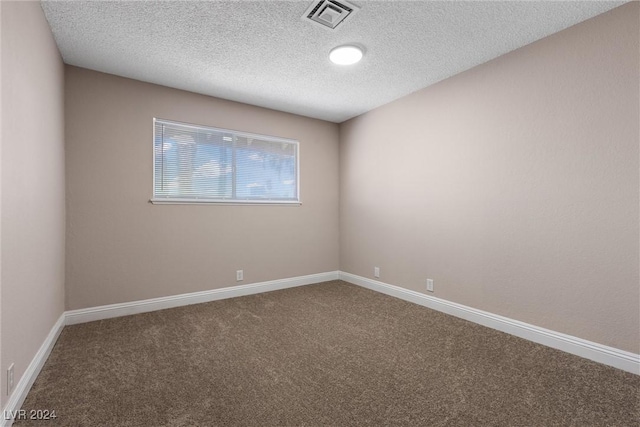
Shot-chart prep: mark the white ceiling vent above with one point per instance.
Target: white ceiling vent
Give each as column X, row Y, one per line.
column 329, row 13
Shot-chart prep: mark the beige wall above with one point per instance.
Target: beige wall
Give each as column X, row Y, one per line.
column 513, row 185
column 122, row 248
column 33, row 206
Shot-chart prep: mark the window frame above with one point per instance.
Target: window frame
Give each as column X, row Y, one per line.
column 207, row 201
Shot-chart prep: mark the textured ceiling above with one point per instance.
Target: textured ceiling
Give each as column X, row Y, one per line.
column 262, row 53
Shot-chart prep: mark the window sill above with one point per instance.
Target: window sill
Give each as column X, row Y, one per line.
column 224, row 202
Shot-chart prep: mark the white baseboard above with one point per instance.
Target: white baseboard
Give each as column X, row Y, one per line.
column 31, row 373
column 116, row 310
column 124, row 309
column 620, row 359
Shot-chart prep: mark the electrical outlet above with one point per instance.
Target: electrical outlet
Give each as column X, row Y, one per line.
column 239, row 276
column 10, row 379
column 376, row 271
column 430, row 285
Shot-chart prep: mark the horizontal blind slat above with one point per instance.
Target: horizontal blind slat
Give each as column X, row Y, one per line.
column 196, row 162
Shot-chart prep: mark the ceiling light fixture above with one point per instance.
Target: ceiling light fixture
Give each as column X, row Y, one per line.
column 345, row 55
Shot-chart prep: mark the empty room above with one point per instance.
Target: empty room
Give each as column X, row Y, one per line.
column 320, row 213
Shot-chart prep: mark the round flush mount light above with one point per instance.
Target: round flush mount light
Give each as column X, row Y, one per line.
column 345, row 55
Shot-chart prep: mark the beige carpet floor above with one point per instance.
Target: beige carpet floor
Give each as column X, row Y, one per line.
column 330, row 354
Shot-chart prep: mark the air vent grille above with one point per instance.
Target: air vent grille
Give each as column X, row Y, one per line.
column 329, row 13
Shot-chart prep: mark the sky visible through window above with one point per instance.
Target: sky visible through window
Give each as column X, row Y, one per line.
column 199, row 164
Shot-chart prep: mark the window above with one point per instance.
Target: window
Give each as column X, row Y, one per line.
column 199, row 164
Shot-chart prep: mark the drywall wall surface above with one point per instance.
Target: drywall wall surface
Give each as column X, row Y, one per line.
column 122, row 248
column 513, row 185
column 33, row 187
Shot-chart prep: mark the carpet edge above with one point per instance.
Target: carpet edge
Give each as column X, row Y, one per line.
column 102, row 312
column 620, row 359
column 30, row 374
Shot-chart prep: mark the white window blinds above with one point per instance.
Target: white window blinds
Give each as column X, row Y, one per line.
column 209, row 165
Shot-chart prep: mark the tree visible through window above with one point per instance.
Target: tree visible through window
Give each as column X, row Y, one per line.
column 202, row 164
